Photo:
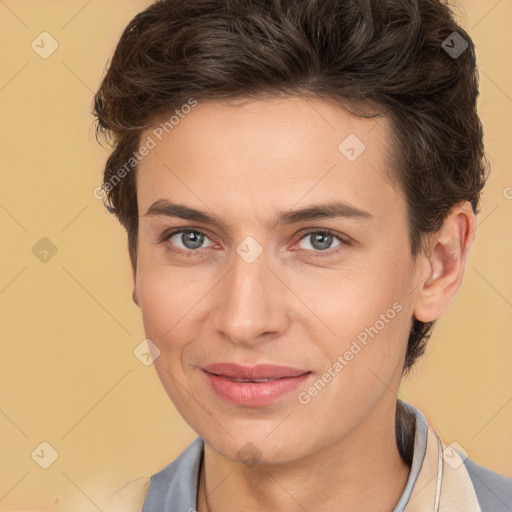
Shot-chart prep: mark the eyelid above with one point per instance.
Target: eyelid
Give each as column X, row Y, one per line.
column 309, row 231
column 174, row 231
column 343, row 239
column 164, row 238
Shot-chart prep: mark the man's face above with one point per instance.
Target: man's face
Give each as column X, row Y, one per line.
column 249, row 292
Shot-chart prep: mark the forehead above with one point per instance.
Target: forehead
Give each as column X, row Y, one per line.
column 268, row 152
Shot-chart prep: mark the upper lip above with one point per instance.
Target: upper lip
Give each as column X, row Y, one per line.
column 260, row 371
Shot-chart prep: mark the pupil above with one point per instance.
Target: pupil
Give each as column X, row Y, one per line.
column 318, row 237
column 191, row 239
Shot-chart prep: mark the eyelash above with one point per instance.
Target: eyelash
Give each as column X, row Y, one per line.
column 198, row 252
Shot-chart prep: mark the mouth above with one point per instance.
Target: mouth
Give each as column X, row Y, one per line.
column 258, row 373
column 255, row 386
column 234, row 379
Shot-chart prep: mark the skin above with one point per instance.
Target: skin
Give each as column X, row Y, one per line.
column 294, row 305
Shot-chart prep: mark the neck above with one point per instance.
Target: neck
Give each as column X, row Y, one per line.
column 347, row 474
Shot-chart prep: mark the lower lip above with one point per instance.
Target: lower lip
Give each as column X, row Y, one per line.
column 254, row 394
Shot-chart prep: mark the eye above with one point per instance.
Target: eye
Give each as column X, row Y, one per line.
column 189, row 242
column 186, row 241
column 321, row 241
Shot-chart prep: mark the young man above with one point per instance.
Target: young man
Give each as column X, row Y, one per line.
column 299, row 181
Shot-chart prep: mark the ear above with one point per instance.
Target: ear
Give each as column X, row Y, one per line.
column 444, row 263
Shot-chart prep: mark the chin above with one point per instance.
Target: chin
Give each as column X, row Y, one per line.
column 257, row 447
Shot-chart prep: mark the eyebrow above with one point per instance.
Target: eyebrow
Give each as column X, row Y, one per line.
column 335, row 209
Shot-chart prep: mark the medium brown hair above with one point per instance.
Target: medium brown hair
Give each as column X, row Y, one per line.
column 385, row 54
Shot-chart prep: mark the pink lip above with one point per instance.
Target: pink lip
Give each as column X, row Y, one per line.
column 253, row 394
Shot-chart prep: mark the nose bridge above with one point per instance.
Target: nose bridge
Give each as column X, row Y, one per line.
column 248, row 302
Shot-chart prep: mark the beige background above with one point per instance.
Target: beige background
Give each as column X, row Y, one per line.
column 69, row 327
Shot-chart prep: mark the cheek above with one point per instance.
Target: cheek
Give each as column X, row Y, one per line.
column 174, row 305
column 368, row 313
column 167, row 303
column 167, row 293
column 352, row 298
column 365, row 355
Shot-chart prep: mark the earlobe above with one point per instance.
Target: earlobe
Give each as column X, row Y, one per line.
column 134, row 293
column 134, row 298
column 446, row 263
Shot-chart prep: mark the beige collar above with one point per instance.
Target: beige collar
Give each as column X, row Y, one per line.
column 442, row 463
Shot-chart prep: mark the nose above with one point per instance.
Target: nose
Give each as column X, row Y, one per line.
column 251, row 303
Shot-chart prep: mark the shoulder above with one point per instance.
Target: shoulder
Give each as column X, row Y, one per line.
column 493, row 490
column 176, row 483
